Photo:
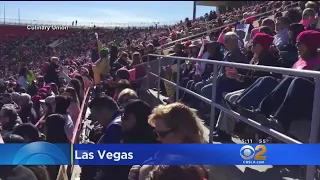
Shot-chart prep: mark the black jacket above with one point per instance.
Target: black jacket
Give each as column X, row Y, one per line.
column 266, row 59
column 119, row 63
column 28, row 114
column 52, row 74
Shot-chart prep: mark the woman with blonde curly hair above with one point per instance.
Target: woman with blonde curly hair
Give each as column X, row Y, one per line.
column 174, row 124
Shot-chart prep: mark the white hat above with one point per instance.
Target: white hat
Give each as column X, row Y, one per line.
column 196, row 43
column 48, row 100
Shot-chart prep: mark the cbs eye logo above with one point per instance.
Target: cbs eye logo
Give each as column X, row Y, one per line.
column 40, row 153
column 247, row 152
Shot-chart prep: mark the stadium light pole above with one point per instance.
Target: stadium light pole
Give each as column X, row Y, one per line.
column 19, row 15
column 194, row 9
column 4, row 14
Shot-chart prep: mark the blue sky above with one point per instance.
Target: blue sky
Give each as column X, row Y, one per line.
column 101, row 11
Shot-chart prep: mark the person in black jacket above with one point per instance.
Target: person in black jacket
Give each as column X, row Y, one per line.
column 52, row 74
column 9, row 118
column 32, row 89
column 7, row 99
column 120, row 63
column 150, row 50
column 289, row 53
column 113, row 54
column 27, row 112
column 262, row 56
column 136, row 130
column 213, row 48
column 261, row 43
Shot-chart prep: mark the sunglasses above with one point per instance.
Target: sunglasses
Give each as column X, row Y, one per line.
column 163, row 134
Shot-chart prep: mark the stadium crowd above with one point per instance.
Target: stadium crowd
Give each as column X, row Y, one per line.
column 42, row 100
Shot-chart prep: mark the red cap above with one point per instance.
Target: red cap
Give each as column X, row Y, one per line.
column 263, row 39
column 36, row 98
column 43, row 90
column 188, row 43
column 310, row 38
column 250, row 20
column 47, row 87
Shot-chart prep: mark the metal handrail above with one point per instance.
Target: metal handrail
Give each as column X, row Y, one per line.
column 218, row 28
column 76, row 131
column 11, row 21
column 287, row 71
column 280, row 136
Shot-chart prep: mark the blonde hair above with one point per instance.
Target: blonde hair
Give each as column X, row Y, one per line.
column 129, row 93
column 309, row 12
column 73, row 94
column 312, row 5
column 182, row 118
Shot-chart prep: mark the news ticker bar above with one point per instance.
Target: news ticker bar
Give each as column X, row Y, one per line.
column 43, row 153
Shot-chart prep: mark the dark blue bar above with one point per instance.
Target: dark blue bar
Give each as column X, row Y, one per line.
column 197, row 154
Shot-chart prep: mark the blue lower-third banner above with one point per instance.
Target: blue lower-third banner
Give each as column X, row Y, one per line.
column 43, row 153
column 197, row 154
column 36, row 153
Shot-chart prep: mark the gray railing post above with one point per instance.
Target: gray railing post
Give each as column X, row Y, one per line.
column 213, row 101
column 253, row 123
column 159, row 69
column 148, row 70
column 314, row 124
column 178, row 80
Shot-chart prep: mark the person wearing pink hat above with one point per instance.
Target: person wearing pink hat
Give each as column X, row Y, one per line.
column 277, row 104
column 308, row 43
column 261, row 43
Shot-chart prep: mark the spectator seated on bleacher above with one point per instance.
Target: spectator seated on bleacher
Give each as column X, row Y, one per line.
column 174, row 124
column 234, row 54
column 60, row 107
column 74, row 107
column 125, row 95
column 276, row 103
column 106, row 111
column 282, row 36
column 28, row 131
column 202, row 73
column 309, row 19
column 27, row 112
column 9, row 118
column 55, row 133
